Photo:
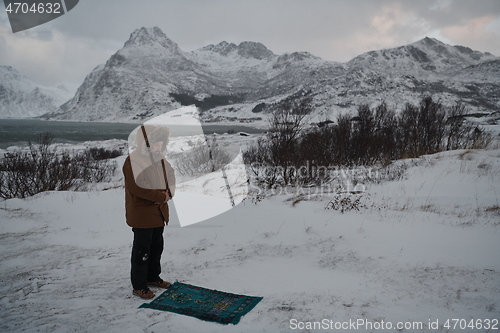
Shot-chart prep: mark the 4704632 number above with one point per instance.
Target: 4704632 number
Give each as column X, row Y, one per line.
column 472, row 324
column 40, row 8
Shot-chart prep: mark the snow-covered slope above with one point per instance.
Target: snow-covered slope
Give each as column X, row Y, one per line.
column 135, row 82
column 151, row 75
column 427, row 57
column 240, row 68
column 22, row 98
column 423, row 248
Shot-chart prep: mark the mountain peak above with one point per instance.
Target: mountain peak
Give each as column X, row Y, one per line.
column 427, row 44
column 9, row 76
column 249, row 50
column 432, row 46
column 430, row 41
column 144, row 32
column 223, row 48
column 150, row 37
column 427, row 56
column 9, row 70
column 21, row 98
column 254, row 50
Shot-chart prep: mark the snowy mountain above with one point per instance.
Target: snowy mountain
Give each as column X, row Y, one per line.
column 427, row 57
column 151, row 75
column 22, row 98
column 406, row 73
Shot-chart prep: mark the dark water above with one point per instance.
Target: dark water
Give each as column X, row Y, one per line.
column 18, row 132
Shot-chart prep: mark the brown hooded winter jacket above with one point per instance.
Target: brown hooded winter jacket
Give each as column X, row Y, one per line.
column 144, row 194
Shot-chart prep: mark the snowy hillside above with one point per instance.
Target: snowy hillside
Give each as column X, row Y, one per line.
column 151, row 75
column 231, row 83
column 22, row 98
column 426, row 57
column 421, row 249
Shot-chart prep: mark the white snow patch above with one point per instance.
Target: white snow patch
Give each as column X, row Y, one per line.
column 426, row 248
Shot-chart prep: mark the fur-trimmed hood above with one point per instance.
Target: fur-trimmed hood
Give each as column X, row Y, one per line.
column 154, row 134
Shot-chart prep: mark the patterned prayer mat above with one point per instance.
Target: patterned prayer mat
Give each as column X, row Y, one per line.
column 204, row 304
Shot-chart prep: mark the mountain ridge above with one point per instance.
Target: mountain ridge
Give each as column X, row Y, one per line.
column 21, row 98
column 151, row 75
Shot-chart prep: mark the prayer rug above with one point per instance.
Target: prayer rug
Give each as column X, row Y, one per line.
column 204, row 304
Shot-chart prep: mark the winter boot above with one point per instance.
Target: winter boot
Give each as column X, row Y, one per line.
column 144, row 293
column 160, row 283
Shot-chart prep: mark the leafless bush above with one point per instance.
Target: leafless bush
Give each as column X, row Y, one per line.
column 254, row 196
column 43, row 168
column 478, row 139
column 457, row 127
column 278, row 150
column 103, row 153
column 201, row 159
column 373, row 137
column 345, row 202
column 392, row 172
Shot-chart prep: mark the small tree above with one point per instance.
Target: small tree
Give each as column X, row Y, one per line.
column 279, row 150
column 458, row 129
column 385, row 139
column 343, row 138
column 363, row 136
column 202, row 160
column 430, row 126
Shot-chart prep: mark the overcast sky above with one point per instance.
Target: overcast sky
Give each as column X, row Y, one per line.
column 66, row 49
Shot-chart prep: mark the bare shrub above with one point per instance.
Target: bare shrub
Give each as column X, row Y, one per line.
column 103, row 154
column 478, row 139
column 278, row 152
column 43, row 168
column 421, row 128
column 345, row 202
column 292, row 154
column 201, row 159
column 458, row 128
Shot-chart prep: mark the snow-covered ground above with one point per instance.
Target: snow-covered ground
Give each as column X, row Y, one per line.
column 424, row 248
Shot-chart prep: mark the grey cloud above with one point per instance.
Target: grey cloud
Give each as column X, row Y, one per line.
column 455, row 12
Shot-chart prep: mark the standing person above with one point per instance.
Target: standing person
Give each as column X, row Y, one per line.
column 147, row 193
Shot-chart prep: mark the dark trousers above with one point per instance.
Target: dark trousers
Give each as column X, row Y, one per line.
column 146, row 255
